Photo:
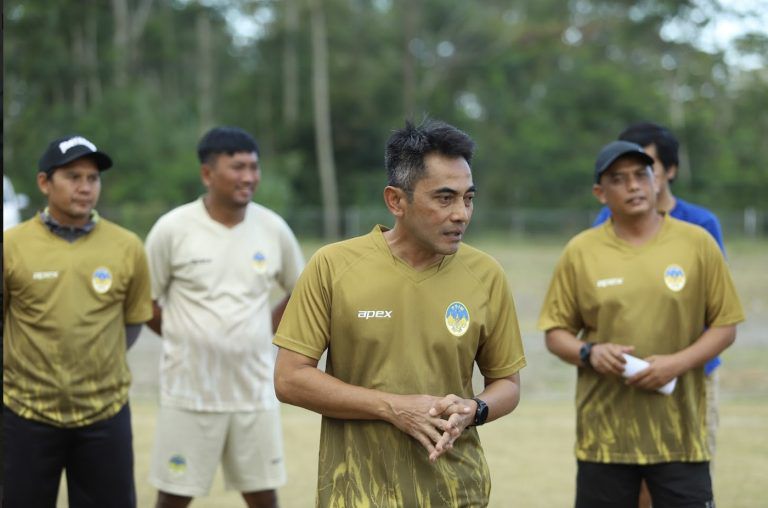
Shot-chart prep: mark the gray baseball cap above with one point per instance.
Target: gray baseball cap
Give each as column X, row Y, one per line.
column 616, row 149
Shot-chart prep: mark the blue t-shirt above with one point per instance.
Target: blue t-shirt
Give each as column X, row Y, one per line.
column 693, row 214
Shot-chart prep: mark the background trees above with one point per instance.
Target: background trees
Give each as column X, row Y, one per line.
column 539, row 85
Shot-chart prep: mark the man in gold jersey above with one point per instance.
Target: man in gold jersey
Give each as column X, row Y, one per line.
column 647, row 285
column 76, row 290
column 403, row 315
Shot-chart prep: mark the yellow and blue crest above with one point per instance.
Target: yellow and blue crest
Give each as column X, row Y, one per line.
column 457, row 319
column 674, row 277
column 259, row 261
column 177, row 465
column 101, row 280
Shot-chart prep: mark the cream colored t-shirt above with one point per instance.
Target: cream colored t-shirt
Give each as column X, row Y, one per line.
column 214, row 283
column 658, row 297
column 391, row 328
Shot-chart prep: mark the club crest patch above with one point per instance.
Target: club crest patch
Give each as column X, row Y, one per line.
column 259, row 262
column 457, row 319
column 674, row 277
column 177, row 465
column 101, row 280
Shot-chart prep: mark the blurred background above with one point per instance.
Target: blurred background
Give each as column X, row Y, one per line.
column 540, row 86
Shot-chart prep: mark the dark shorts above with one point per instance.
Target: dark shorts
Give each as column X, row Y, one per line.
column 671, row 484
column 98, row 460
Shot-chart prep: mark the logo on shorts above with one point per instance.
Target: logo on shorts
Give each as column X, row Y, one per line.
column 674, row 277
column 457, row 319
column 101, row 280
column 259, row 262
column 177, row 465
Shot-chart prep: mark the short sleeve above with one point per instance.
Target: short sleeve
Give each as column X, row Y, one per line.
column 306, row 323
column 158, row 255
column 293, row 259
column 138, row 298
column 560, row 308
column 723, row 306
column 500, row 354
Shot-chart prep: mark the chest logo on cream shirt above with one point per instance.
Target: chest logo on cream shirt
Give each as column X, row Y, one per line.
column 259, row 262
column 101, row 280
column 613, row 281
column 674, row 277
column 457, row 319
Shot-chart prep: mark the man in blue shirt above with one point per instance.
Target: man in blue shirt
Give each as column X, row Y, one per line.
column 662, row 146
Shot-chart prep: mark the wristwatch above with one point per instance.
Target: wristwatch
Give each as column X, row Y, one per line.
column 482, row 412
column 584, row 353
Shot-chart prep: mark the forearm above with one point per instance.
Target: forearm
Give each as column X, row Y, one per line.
column 564, row 345
column 156, row 323
column 308, row 387
column 502, row 395
column 709, row 345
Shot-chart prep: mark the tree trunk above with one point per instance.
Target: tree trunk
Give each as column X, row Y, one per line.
column 128, row 29
column 410, row 13
column 92, row 58
column 205, row 71
column 322, row 113
column 120, row 39
column 291, row 65
column 79, row 84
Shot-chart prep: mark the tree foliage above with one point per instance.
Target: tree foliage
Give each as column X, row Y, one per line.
column 539, row 85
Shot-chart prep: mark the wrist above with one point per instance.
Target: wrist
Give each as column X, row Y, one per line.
column 585, row 354
column 481, row 412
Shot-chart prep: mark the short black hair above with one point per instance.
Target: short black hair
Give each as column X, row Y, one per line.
column 407, row 148
column 229, row 140
column 647, row 133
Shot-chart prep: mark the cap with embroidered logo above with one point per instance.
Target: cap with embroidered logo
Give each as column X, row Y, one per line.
column 64, row 150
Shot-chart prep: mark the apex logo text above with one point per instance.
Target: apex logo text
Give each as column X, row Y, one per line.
column 374, row 314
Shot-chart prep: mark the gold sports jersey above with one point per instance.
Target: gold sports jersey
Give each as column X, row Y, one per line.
column 389, row 327
column 659, row 298
column 65, row 308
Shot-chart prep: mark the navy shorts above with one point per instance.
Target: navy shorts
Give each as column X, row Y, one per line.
column 671, row 484
column 98, row 460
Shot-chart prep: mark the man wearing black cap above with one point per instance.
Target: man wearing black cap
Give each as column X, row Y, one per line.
column 649, row 286
column 76, row 291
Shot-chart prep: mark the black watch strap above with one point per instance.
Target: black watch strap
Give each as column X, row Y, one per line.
column 481, row 415
column 584, row 353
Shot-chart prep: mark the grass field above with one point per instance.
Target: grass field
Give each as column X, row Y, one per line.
column 530, row 453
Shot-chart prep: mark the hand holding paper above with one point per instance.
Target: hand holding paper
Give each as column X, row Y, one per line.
column 635, row 365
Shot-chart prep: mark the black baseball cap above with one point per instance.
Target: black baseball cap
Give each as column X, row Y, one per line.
column 615, row 149
column 64, row 150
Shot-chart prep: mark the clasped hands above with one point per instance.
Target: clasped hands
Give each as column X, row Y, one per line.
column 435, row 422
column 606, row 358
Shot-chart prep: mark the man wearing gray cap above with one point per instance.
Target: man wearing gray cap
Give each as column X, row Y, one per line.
column 76, row 290
column 650, row 286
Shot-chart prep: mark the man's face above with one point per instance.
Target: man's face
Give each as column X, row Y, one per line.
column 628, row 187
column 441, row 208
column 232, row 179
column 72, row 190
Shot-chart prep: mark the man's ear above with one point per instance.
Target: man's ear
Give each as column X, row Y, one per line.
column 395, row 199
column 205, row 174
column 43, row 182
column 671, row 172
column 599, row 193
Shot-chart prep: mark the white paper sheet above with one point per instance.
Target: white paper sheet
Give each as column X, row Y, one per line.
column 635, row 365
